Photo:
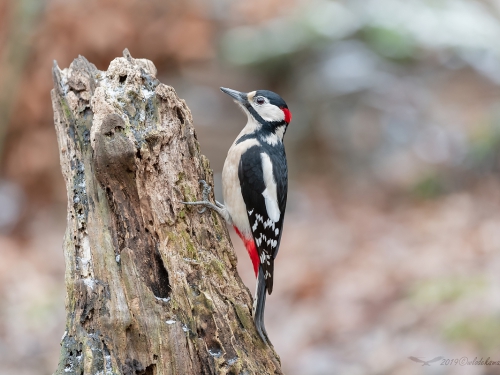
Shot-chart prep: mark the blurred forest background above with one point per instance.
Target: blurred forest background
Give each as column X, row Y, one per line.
column 391, row 245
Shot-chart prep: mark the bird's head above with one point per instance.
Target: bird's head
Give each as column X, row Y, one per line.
column 265, row 107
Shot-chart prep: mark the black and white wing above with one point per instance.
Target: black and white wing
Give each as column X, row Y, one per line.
column 263, row 178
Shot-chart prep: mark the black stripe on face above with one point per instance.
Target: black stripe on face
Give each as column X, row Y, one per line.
column 267, row 125
column 245, row 137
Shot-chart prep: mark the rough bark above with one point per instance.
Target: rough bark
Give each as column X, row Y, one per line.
column 152, row 286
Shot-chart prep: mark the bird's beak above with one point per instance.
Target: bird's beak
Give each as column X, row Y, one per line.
column 239, row 97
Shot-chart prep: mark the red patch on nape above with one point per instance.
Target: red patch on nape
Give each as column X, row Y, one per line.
column 252, row 250
column 288, row 115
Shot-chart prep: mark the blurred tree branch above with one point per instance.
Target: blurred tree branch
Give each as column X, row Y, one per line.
column 152, row 286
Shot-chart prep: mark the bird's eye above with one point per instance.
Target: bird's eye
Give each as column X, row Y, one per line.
column 260, row 100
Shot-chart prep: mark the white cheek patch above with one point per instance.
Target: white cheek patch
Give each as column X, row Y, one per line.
column 269, row 112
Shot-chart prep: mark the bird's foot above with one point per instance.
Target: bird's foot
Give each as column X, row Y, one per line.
column 206, row 190
column 205, row 202
column 217, row 207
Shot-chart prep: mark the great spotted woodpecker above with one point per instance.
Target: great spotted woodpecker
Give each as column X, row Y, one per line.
column 254, row 185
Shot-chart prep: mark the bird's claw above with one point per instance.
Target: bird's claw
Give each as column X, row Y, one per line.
column 205, row 193
column 206, row 202
column 200, row 203
column 206, row 189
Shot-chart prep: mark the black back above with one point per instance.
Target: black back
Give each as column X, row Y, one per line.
column 251, row 178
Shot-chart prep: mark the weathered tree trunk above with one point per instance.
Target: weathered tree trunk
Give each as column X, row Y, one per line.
column 152, row 286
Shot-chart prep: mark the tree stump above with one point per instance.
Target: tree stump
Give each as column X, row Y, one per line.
column 152, row 285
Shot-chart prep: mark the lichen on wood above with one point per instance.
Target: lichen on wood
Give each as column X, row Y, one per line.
column 152, row 286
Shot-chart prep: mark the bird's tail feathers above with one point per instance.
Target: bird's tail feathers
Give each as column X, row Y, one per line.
column 259, row 305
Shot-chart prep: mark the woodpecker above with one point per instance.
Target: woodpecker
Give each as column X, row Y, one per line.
column 255, row 185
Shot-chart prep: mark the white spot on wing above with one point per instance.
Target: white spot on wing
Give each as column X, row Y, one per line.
column 276, row 232
column 269, row 223
column 260, row 239
column 254, row 227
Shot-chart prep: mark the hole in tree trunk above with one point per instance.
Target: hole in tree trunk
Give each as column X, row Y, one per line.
column 150, row 370
column 161, row 288
column 180, row 115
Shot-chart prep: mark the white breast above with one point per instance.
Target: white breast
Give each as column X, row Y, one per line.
column 231, row 190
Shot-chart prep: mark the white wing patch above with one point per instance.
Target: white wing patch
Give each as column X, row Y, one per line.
column 270, row 193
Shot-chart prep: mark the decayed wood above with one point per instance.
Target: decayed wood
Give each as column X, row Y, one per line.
column 152, row 286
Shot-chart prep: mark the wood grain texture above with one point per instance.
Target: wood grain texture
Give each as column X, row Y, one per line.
column 152, row 286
